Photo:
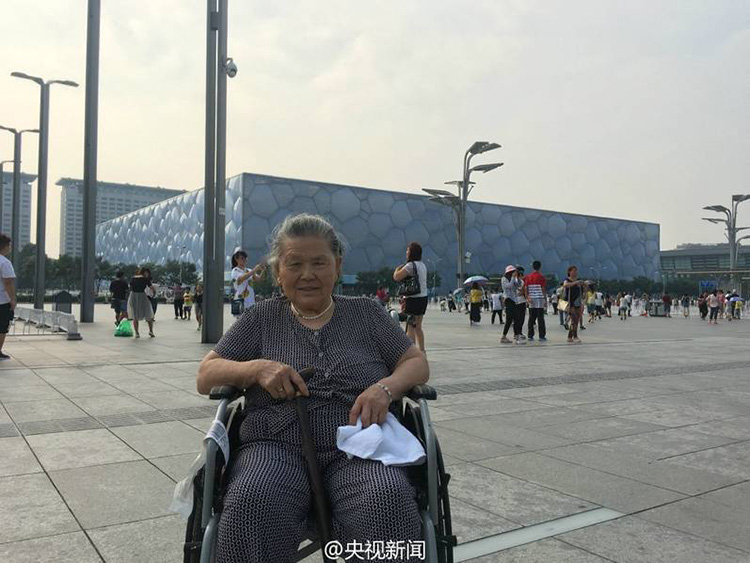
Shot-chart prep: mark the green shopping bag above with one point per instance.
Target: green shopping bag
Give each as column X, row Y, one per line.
column 124, row 328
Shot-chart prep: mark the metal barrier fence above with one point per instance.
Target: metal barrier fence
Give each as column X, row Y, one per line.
column 36, row 322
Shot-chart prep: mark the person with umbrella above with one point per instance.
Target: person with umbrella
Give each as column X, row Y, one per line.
column 475, row 301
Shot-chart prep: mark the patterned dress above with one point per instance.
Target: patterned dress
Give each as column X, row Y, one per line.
column 268, row 496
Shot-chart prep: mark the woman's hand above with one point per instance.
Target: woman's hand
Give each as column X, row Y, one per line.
column 282, row 381
column 372, row 405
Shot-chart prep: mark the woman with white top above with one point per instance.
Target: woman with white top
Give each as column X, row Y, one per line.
column 416, row 304
column 242, row 278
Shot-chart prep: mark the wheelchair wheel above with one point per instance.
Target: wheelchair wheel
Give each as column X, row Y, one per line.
column 443, row 532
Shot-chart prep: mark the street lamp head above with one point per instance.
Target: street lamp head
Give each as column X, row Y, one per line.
column 70, row 83
column 11, row 129
column 25, row 76
column 486, row 167
column 740, row 198
column 482, row 146
column 437, row 192
column 457, row 183
column 717, row 208
column 713, row 220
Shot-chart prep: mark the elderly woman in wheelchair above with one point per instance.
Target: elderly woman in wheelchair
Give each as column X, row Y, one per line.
column 362, row 363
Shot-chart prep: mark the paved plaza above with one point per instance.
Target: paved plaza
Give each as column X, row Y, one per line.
column 647, row 423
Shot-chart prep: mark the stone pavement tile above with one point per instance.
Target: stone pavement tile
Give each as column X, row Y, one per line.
column 35, row 393
column 488, row 429
column 107, row 372
column 53, row 409
column 66, row 450
column 543, row 551
column 624, row 407
column 732, row 460
column 16, row 458
column 599, row 429
column 633, row 540
column 438, row 414
column 544, row 417
column 161, row 439
column 184, row 382
column 618, row 493
column 630, row 463
column 64, row 548
column 174, row 399
column 158, row 540
column 471, row 523
column 667, row 443
column 681, row 416
column 111, row 404
column 140, row 384
column 202, row 424
column 30, row 507
column 449, row 460
column 736, row 495
column 511, row 498
column 103, row 495
column 497, row 406
column 727, row 525
column 470, row 448
column 586, row 397
column 53, row 376
column 82, row 388
column 4, row 417
column 19, row 378
column 176, row 466
column 738, row 428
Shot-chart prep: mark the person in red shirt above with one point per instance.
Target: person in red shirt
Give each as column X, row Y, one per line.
column 667, row 300
column 536, row 291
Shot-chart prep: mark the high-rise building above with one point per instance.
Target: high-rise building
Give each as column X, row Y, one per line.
column 6, row 220
column 112, row 200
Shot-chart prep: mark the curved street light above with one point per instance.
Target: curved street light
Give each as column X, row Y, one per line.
column 731, row 228
column 15, row 229
column 41, row 205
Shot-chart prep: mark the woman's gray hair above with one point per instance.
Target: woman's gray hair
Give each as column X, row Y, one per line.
column 303, row 225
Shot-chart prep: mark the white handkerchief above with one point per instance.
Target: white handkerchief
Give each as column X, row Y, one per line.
column 389, row 442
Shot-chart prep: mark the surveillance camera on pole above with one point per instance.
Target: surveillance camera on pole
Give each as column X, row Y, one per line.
column 230, row 67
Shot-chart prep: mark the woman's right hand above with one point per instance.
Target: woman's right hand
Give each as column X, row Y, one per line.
column 282, row 381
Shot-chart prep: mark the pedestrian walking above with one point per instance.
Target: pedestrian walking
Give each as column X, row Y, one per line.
column 536, row 290
column 198, row 302
column 685, row 302
column 714, row 304
column 150, row 290
column 242, row 282
column 475, row 302
column 188, row 305
column 512, row 290
column 179, row 301
column 497, row 305
column 574, row 289
column 7, row 291
column 416, row 304
column 118, row 288
column 139, row 307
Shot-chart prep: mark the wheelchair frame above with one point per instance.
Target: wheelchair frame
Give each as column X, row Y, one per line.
column 429, row 479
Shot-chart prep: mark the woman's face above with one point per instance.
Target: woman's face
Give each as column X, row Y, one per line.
column 241, row 261
column 573, row 273
column 308, row 270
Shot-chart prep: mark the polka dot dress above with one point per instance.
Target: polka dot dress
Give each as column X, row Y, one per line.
column 268, row 497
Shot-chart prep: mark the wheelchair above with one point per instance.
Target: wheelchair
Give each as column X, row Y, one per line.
column 429, row 480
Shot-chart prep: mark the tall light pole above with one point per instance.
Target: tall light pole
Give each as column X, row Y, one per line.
column 218, row 67
column 459, row 202
column 2, row 190
column 731, row 228
column 41, row 200
column 90, row 148
column 15, row 229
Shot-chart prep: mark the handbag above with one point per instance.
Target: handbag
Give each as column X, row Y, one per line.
column 238, row 307
column 562, row 303
column 410, row 285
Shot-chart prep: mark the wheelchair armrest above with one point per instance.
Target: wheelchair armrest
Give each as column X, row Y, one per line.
column 220, row 392
column 422, row 392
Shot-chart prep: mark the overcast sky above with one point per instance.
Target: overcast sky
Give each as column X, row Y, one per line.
column 637, row 110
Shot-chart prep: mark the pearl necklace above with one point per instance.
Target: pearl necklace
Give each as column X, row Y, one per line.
column 313, row 317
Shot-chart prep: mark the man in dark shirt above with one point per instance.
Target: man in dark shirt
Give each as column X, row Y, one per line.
column 179, row 302
column 119, row 290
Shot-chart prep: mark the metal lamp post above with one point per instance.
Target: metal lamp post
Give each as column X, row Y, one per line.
column 2, row 190
column 731, row 228
column 458, row 202
column 41, row 203
column 15, row 229
column 218, row 67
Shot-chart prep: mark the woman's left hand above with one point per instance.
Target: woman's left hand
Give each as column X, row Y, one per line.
column 372, row 405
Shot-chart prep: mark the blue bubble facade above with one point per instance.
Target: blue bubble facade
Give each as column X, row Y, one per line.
column 378, row 225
